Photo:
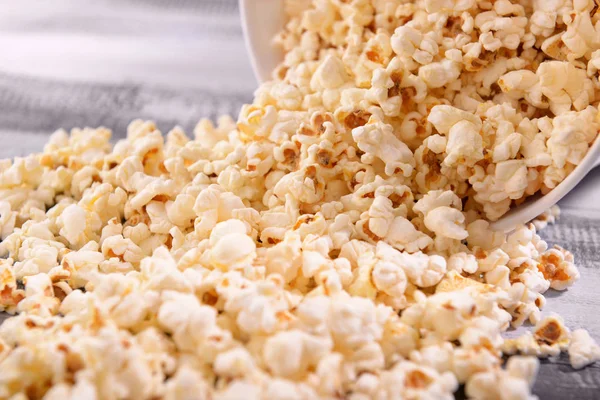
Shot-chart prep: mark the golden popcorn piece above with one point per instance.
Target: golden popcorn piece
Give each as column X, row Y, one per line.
column 552, row 332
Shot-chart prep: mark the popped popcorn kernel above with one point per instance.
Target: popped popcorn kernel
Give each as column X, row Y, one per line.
column 583, row 350
column 557, row 266
column 551, row 332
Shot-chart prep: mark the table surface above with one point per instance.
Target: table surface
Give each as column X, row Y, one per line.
column 175, row 61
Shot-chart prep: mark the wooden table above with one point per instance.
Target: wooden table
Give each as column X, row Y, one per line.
column 64, row 64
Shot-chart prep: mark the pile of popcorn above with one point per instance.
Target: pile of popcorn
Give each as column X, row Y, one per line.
column 332, row 243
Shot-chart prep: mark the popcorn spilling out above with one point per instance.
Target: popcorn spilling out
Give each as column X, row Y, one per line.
column 334, row 242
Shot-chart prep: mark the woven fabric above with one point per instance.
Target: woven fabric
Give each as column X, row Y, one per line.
column 172, row 61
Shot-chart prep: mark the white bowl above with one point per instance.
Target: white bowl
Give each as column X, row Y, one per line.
column 263, row 19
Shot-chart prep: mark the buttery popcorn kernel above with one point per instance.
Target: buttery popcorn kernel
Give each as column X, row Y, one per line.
column 583, row 350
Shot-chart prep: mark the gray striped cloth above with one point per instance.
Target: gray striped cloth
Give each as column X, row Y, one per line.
column 175, row 61
column 63, row 65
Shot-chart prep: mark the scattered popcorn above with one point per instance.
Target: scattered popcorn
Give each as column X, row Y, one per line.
column 514, row 382
column 551, row 332
column 557, row 267
column 548, row 217
column 335, row 240
column 583, row 350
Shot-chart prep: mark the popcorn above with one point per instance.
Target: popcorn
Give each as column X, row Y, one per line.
column 446, row 314
column 260, row 308
column 557, row 266
column 414, row 381
column 468, row 362
column 464, row 143
column 544, row 17
column 421, row 269
column 331, row 74
column 547, row 218
column 444, row 117
column 284, row 257
column 581, row 35
column 439, row 74
column 354, row 322
column 343, row 221
column 239, row 389
column 448, row 6
column 378, row 140
column 583, row 350
column 285, row 389
column 181, row 314
column 7, row 219
column 39, row 296
column 403, row 235
column 159, row 272
column 232, row 250
column 302, row 351
column 389, row 278
column 128, row 306
column 37, row 257
column 499, row 384
column 571, row 136
column 463, row 262
column 439, row 357
column 73, row 222
column 186, row 381
column 10, row 294
column 234, row 363
column 446, row 222
column 123, row 248
column 435, row 199
column 551, row 332
column 564, row 85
